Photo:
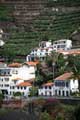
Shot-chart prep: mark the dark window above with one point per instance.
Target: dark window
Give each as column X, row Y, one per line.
column 63, row 84
column 45, row 87
column 63, row 93
column 67, row 93
column 24, row 87
column 21, row 87
column 13, row 87
column 67, row 84
column 58, row 46
column 49, row 87
column 18, row 87
column 55, row 92
column 59, row 92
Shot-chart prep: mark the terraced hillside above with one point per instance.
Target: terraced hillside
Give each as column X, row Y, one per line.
column 26, row 22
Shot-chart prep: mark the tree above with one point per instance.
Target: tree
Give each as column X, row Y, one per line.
column 33, row 91
column 74, row 66
column 45, row 116
column 17, row 94
column 77, row 113
column 1, row 98
column 60, row 117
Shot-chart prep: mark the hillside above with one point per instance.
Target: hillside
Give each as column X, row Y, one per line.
column 26, row 22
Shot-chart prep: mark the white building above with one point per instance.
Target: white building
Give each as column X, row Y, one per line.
column 45, row 44
column 39, row 53
column 17, row 74
column 46, row 89
column 1, row 41
column 62, row 44
column 64, row 85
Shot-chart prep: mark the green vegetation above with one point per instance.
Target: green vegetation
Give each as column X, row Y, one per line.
column 45, row 116
column 49, row 25
column 33, row 91
column 17, row 94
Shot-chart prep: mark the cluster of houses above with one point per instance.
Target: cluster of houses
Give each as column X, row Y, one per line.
column 17, row 77
column 63, row 85
column 46, row 47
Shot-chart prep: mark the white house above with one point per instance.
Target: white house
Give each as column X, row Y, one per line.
column 63, row 44
column 39, row 53
column 46, row 89
column 64, row 85
column 45, row 44
column 15, row 74
column 1, row 41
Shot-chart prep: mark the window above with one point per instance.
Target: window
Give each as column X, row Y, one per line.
column 15, row 72
column 67, row 93
column 63, row 84
column 24, row 88
column 6, row 79
column 58, row 46
column 21, row 87
column 49, row 87
column 45, row 87
column 55, row 92
column 18, row 87
column 13, row 87
column 6, row 85
column 67, row 84
column 59, row 92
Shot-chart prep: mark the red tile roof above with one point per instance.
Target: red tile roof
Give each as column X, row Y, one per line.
column 65, row 76
column 70, row 52
column 17, row 79
column 24, row 84
column 14, row 65
column 48, row 84
column 32, row 63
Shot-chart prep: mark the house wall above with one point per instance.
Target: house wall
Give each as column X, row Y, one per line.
column 46, row 91
column 8, row 74
column 74, row 85
column 62, row 88
column 62, row 44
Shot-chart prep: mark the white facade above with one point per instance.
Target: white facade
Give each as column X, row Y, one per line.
column 45, row 44
column 1, row 41
column 46, row 90
column 62, row 88
column 11, row 76
column 64, row 85
column 63, row 44
column 40, row 53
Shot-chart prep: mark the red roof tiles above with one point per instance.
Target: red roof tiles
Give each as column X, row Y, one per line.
column 14, row 65
column 32, row 63
column 24, row 84
column 65, row 76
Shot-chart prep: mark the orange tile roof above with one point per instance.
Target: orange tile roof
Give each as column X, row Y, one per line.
column 69, row 52
column 24, row 84
column 32, row 63
column 65, row 76
column 14, row 65
column 48, row 84
column 17, row 79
